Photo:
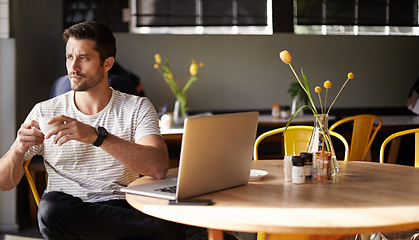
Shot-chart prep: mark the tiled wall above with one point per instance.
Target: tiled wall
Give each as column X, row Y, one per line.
column 4, row 18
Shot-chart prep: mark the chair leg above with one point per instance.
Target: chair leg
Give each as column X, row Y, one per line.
column 215, row 234
column 394, row 150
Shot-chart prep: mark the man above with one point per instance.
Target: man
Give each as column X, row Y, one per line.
column 102, row 140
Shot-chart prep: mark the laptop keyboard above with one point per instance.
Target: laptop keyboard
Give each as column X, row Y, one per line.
column 171, row 189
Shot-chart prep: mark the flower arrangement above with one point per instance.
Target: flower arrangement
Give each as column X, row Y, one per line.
column 286, row 58
column 324, row 157
column 168, row 77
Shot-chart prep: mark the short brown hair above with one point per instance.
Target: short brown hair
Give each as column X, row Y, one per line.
column 96, row 31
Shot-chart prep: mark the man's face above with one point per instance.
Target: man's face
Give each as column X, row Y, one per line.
column 83, row 64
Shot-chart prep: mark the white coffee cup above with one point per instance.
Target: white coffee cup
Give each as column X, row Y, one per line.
column 45, row 127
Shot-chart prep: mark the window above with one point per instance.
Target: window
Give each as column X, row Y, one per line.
column 110, row 12
column 202, row 16
column 376, row 17
column 4, row 19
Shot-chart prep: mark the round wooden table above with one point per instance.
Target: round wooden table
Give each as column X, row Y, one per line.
column 365, row 197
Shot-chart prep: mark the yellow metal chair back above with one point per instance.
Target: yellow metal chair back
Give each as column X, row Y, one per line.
column 31, row 182
column 365, row 128
column 296, row 140
column 398, row 134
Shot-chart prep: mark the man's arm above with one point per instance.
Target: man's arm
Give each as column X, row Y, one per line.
column 11, row 164
column 148, row 156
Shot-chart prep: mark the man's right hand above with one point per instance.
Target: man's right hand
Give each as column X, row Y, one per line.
column 28, row 136
column 11, row 164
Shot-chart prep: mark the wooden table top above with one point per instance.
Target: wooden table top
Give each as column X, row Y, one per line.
column 365, row 197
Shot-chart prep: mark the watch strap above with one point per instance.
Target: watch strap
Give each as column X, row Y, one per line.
column 101, row 135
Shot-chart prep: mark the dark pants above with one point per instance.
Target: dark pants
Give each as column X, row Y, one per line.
column 62, row 216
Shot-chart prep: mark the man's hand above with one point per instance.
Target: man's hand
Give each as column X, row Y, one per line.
column 70, row 130
column 11, row 164
column 28, row 135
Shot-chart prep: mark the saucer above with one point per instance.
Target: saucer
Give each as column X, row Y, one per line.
column 257, row 174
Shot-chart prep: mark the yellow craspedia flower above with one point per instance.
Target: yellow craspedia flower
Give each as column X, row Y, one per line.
column 285, row 56
column 201, row 64
column 193, row 69
column 156, row 65
column 170, row 75
column 157, row 58
column 317, row 89
column 351, row 75
column 327, row 84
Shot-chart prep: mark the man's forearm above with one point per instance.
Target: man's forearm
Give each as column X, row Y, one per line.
column 148, row 156
column 11, row 170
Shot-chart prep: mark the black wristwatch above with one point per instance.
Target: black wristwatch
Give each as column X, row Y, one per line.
column 101, row 135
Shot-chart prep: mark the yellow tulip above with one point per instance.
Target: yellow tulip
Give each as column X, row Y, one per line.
column 193, row 69
column 285, row 56
column 157, row 58
column 317, row 89
column 327, row 84
column 351, row 75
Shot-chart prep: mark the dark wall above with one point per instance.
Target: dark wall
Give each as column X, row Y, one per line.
column 37, row 28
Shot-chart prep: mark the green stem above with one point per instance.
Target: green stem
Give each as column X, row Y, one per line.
column 323, row 132
column 307, row 92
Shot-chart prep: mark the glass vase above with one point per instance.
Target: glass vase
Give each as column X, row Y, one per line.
column 325, row 164
column 296, row 104
column 179, row 114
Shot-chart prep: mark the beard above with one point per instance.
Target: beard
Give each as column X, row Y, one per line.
column 87, row 82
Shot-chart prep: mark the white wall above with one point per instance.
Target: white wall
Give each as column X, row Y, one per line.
column 7, row 127
column 244, row 72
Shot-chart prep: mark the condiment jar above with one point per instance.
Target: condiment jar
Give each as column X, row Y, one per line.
column 276, row 110
column 298, row 173
column 308, row 165
column 288, row 168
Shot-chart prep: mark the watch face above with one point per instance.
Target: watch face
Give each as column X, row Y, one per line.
column 101, row 135
column 101, row 131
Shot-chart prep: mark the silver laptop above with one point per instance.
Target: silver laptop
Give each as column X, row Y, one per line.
column 216, row 154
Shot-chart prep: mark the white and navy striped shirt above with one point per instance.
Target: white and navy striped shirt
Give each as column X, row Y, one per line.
column 86, row 171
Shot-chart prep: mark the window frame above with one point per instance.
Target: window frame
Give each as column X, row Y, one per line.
column 199, row 29
column 386, row 28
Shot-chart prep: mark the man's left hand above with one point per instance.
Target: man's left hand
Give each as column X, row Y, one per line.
column 72, row 129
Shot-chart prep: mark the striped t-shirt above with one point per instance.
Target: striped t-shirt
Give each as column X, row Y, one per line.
column 81, row 169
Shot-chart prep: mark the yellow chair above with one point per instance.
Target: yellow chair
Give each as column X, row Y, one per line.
column 31, row 182
column 365, row 128
column 296, row 140
column 398, row 134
